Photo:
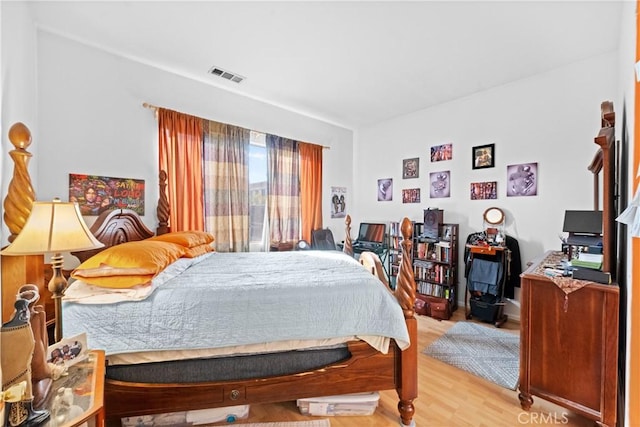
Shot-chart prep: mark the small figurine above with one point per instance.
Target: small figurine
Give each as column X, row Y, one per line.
column 17, row 351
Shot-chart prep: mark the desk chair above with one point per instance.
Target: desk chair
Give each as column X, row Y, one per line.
column 372, row 262
column 322, row 239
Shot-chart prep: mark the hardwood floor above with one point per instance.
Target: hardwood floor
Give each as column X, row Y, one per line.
column 448, row 397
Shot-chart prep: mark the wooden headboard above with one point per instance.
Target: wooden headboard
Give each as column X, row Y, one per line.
column 115, row 227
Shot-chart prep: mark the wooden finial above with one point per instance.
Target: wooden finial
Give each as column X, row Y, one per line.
column 20, row 196
column 20, row 136
column 163, row 209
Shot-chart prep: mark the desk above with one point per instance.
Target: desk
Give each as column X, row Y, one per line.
column 85, row 380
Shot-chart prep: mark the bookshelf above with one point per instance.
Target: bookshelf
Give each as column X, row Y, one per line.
column 435, row 264
column 395, row 249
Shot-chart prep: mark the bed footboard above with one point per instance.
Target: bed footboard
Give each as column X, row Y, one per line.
column 365, row 370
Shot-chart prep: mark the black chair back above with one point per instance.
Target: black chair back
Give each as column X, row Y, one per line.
column 322, row 239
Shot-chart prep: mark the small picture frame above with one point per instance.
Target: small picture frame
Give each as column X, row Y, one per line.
column 483, row 156
column 484, row 190
column 410, row 168
column 441, row 152
column 68, row 351
column 385, row 189
column 411, row 195
column 440, row 184
column 522, row 180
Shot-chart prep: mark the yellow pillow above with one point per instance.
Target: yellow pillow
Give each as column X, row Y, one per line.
column 188, row 239
column 128, row 264
column 198, row 250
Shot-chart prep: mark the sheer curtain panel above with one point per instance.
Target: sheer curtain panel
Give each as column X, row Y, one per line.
column 226, row 182
column 283, row 187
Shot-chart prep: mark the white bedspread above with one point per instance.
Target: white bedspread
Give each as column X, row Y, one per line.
column 239, row 299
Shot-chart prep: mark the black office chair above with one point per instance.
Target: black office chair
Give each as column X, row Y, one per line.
column 322, row 239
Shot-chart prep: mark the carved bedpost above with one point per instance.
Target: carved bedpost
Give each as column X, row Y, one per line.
column 18, row 270
column 406, row 294
column 163, row 210
column 406, row 289
column 348, row 245
column 20, row 197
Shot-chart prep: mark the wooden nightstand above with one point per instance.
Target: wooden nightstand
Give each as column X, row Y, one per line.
column 85, row 379
column 281, row 246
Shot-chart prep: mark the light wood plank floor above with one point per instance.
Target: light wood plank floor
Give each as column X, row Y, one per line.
column 448, row 397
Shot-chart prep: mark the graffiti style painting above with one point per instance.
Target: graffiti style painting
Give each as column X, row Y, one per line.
column 96, row 194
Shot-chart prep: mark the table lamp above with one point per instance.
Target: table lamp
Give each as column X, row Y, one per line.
column 54, row 227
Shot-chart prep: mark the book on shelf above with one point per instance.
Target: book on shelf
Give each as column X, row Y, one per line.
column 433, row 289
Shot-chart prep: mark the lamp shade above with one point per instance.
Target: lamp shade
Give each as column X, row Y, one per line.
column 53, row 227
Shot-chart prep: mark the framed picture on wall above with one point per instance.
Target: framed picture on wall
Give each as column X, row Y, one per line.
column 522, row 180
column 338, row 202
column 96, row 194
column 484, row 190
column 411, row 195
column 410, row 168
column 439, row 184
column 441, row 152
column 385, row 189
column 483, row 156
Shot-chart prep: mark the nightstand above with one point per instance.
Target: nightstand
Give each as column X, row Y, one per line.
column 85, row 382
column 281, row 246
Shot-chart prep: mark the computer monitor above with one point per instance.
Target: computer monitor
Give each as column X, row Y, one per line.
column 370, row 232
column 583, row 222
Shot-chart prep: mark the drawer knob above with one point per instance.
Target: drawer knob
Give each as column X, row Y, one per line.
column 234, row 395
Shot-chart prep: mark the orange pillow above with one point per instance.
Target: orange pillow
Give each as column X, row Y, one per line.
column 198, row 250
column 188, row 239
column 128, row 264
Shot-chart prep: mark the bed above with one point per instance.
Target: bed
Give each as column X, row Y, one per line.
column 161, row 377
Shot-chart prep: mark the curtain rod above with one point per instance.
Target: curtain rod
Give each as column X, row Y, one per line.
column 156, row 108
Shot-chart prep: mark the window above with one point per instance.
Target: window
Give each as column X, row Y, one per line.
column 257, row 190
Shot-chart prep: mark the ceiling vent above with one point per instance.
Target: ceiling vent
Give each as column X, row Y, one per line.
column 216, row 71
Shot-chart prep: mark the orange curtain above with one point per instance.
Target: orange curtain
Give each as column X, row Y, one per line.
column 633, row 349
column 180, row 139
column 310, row 188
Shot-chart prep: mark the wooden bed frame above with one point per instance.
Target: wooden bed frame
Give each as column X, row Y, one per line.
column 366, row 369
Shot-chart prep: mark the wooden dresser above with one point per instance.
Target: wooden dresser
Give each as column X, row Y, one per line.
column 569, row 344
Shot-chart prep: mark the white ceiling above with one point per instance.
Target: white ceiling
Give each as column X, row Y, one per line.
column 347, row 63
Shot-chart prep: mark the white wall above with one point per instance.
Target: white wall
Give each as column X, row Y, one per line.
column 18, row 88
column 550, row 119
column 92, row 121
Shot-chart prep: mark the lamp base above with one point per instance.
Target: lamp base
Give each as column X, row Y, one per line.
column 57, row 286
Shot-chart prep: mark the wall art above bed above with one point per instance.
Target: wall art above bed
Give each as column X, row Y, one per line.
column 96, row 194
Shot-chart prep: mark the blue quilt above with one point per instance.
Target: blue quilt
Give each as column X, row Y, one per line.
column 231, row 299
